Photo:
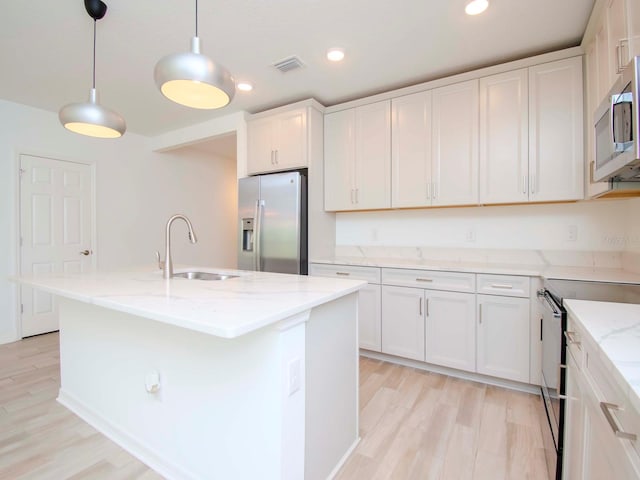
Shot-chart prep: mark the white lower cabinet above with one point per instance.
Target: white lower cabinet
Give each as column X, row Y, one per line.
column 592, row 448
column 573, row 424
column 451, row 329
column 503, row 337
column 403, row 322
column 369, row 333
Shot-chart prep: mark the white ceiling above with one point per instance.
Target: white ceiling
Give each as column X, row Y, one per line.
column 45, row 48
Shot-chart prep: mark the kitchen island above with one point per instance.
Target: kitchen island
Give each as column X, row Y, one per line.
column 251, row 377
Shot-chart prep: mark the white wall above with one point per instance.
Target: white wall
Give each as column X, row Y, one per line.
column 136, row 192
column 601, row 226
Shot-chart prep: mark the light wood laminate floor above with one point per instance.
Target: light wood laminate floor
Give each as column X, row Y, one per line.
column 414, row 425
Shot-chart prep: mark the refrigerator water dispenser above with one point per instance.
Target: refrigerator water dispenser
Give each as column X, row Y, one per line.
column 247, row 234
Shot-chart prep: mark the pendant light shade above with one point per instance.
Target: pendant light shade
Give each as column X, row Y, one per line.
column 193, row 79
column 91, row 118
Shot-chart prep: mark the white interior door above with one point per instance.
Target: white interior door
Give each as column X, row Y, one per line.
column 55, row 231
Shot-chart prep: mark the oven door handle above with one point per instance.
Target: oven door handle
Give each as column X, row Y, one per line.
column 550, row 303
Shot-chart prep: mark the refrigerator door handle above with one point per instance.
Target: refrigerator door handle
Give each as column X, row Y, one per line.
column 257, row 255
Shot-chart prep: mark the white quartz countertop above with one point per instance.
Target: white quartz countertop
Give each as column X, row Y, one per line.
column 615, row 328
column 227, row 308
column 601, row 274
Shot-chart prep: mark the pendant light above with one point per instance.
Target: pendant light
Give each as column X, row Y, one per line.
column 193, row 79
column 91, row 118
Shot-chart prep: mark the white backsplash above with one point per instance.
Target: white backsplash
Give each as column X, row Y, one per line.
column 585, row 234
column 537, row 258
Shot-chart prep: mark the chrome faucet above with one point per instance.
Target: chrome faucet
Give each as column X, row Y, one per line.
column 167, row 265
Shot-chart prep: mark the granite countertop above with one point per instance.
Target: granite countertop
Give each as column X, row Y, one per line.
column 601, row 274
column 615, row 328
column 228, row 308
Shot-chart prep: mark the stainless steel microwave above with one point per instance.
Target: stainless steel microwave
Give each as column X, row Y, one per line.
column 617, row 129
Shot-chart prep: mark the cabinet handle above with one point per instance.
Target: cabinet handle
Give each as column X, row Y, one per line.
column 429, row 191
column 352, row 190
column 571, row 340
column 435, row 190
column 420, row 306
column 618, row 59
column 480, row 313
column 424, row 279
column 357, row 196
column 606, row 410
column 344, row 274
column 427, row 307
column 524, row 184
column 500, row 286
column 532, row 184
column 276, row 157
column 272, row 152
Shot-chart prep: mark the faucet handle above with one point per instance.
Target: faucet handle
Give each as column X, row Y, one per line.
column 160, row 262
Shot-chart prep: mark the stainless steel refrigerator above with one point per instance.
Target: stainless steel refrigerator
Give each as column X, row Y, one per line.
column 272, row 211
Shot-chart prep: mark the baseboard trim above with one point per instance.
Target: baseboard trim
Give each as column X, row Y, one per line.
column 123, row 439
column 452, row 372
column 344, row 459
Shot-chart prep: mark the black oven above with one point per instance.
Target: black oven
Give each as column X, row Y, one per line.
column 553, row 325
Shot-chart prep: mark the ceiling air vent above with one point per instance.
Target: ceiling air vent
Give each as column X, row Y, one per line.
column 288, row 64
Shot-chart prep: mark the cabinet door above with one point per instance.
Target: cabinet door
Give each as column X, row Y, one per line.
column 604, row 453
column 369, row 317
column 573, row 452
column 618, row 42
column 373, row 156
column 503, row 337
column 504, row 137
column 602, row 54
column 411, row 150
column 403, row 322
column 260, row 152
column 455, row 144
column 451, row 329
column 556, row 126
column 291, row 140
column 339, row 160
column 592, row 101
column 633, row 24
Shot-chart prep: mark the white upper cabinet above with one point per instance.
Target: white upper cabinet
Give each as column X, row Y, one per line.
column 556, row 127
column 277, row 142
column 454, row 144
column 339, row 160
column 358, row 158
column 435, row 147
column 504, row 137
column 411, row 150
column 618, row 40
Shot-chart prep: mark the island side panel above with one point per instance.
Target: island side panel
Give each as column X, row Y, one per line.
column 331, row 386
column 220, row 411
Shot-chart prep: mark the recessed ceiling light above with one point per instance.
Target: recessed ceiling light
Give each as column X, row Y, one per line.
column 335, row 54
column 244, row 86
column 474, row 7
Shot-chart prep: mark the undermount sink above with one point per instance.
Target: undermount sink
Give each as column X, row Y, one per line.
column 203, row 276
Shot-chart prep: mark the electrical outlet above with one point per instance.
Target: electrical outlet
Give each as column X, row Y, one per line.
column 572, row 233
column 294, row 376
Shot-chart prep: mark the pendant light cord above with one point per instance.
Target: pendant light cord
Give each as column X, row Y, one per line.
column 196, row 18
column 94, row 53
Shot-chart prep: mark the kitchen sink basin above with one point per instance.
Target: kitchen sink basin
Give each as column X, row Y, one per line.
column 203, row 276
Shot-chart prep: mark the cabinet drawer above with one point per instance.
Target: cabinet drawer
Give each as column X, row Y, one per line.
column 505, row 285
column 430, row 279
column 368, row 274
column 625, row 417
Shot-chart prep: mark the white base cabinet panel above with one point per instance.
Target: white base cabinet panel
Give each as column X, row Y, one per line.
column 451, row 329
column 403, row 322
column 503, row 337
column 369, row 327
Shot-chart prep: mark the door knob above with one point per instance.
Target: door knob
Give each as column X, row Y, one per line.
column 86, row 252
